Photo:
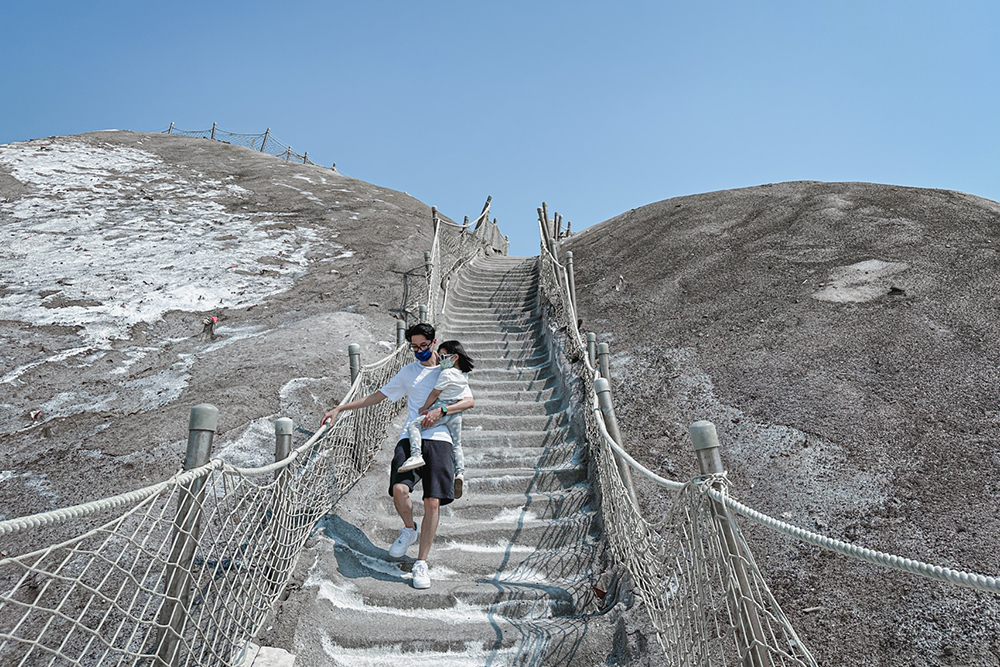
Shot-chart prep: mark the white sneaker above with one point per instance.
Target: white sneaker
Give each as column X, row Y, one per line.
column 420, row 577
column 459, row 485
column 407, row 536
column 411, row 463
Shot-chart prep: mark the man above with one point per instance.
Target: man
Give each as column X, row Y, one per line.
column 416, row 380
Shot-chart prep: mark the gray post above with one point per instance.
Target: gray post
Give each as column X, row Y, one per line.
column 603, row 390
column 603, row 360
column 213, row 131
column 171, row 128
column 466, row 223
column 288, row 154
column 202, row 424
column 354, row 356
column 283, row 427
column 706, row 447
column 572, row 278
column 266, row 132
column 281, row 547
column 423, row 312
column 400, row 333
column 305, row 158
column 428, row 263
column 592, row 347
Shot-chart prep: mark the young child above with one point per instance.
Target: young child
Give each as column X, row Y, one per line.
column 452, row 384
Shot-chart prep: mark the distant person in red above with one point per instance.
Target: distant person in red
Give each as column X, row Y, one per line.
column 416, row 381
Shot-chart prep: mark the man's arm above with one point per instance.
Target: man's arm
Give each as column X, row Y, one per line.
column 461, row 405
column 367, row 401
column 430, row 401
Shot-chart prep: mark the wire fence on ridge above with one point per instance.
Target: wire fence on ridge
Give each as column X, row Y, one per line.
column 185, row 572
column 264, row 142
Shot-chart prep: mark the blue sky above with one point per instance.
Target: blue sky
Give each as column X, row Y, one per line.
column 594, row 107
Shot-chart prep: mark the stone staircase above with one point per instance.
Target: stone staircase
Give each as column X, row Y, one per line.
column 516, row 561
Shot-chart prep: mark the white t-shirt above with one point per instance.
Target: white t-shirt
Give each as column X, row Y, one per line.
column 453, row 385
column 416, row 382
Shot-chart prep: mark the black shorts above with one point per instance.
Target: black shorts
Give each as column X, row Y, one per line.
column 437, row 473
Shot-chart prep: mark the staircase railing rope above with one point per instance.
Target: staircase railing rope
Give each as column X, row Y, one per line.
column 186, row 571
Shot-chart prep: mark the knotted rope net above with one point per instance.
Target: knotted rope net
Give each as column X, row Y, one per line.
column 185, row 572
column 695, row 573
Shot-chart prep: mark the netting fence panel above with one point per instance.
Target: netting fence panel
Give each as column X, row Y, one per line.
column 693, row 570
column 185, row 572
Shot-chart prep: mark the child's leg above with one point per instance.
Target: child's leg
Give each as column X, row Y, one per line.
column 416, row 459
column 454, row 425
column 413, row 429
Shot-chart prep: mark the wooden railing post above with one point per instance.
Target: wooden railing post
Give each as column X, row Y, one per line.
column 400, row 333
column 592, row 347
column 354, row 357
column 572, row 279
column 603, row 389
column 213, row 131
column 202, row 425
column 603, row 360
column 706, row 446
column 264, row 141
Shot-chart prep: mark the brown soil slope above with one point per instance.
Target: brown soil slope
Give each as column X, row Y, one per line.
column 285, row 353
column 843, row 338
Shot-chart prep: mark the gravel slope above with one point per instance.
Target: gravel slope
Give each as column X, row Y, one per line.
column 119, row 244
column 842, row 336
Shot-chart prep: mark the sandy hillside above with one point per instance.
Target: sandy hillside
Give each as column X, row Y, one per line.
column 117, row 245
column 842, row 336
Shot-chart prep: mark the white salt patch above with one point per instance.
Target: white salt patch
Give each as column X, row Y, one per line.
column 125, row 239
column 253, row 447
column 859, row 282
column 68, row 403
column 12, row 376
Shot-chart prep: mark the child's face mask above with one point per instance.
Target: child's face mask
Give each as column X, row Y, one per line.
column 446, row 362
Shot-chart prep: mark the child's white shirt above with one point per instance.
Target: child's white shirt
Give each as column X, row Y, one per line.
column 453, row 384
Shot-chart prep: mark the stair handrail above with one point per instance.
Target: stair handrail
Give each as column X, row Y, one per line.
column 718, row 493
column 193, row 584
column 752, row 625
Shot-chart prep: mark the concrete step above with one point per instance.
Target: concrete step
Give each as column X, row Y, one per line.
column 505, row 408
column 518, row 374
column 481, row 455
column 487, row 363
column 513, row 423
column 456, row 561
column 475, row 437
column 490, row 385
column 501, row 348
column 486, row 391
column 523, row 480
column 501, row 506
column 514, row 528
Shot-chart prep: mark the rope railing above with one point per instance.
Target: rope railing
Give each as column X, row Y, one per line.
column 186, row 571
column 264, row 142
column 665, row 556
column 701, row 588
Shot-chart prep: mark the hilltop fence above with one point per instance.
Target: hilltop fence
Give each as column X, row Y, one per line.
column 693, row 569
column 185, row 572
column 264, row 142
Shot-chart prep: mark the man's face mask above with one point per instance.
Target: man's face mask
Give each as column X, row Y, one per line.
column 423, row 351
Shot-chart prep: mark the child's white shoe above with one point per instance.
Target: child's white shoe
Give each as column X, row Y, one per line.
column 411, row 463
